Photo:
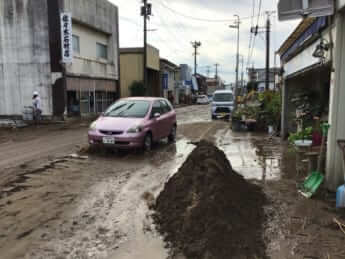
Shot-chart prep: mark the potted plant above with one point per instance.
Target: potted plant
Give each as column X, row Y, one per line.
column 236, row 120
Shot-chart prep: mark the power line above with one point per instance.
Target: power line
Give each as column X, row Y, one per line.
column 201, row 19
column 250, row 33
column 256, row 28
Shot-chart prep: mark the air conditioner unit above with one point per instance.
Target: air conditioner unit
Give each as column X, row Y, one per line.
column 295, row 9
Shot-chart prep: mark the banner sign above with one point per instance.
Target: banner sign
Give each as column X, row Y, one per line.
column 165, row 81
column 66, row 38
column 297, row 9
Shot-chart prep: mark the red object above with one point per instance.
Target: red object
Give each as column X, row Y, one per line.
column 317, row 139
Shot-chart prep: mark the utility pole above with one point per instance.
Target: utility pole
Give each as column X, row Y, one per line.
column 196, row 45
column 146, row 11
column 242, row 74
column 268, row 31
column 237, row 26
column 216, row 65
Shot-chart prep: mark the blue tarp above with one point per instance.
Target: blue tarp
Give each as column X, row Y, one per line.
column 195, row 84
column 165, row 78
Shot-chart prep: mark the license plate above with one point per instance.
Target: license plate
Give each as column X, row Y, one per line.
column 222, row 115
column 108, row 140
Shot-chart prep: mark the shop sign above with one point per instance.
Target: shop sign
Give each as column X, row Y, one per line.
column 66, row 38
column 296, row 9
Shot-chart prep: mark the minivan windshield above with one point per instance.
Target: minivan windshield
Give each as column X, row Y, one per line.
column 223, row 97
column 128, row 109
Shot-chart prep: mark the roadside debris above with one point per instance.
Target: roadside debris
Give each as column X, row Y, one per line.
column 76, row 156
column 340, row 225
column 207, row 210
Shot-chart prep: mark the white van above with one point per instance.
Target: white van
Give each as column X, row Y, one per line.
column 222, row 104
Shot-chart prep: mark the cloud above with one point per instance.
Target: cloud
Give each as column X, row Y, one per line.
column 174, row 31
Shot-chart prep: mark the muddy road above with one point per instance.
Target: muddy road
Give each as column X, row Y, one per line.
column 53, row 205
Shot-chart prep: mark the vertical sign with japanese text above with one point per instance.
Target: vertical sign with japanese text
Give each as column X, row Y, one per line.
column 66, row 38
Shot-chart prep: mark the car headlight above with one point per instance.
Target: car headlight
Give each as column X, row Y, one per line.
column 135, row 129
column 93, row 126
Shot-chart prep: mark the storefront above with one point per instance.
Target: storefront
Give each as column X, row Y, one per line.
column 85, row 96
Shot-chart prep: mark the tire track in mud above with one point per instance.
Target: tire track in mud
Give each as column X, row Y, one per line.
column 91, row 208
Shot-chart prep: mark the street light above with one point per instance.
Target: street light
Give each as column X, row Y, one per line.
column 236, row 26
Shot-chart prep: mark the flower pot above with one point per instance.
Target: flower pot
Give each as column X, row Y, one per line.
column 236, row 125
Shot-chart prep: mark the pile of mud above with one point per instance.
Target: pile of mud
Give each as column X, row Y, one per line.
column 207, row 210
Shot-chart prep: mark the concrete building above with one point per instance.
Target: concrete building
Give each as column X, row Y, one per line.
column 30, row 56
column 334, row 168
column 258, row 76
column 202, row 84
column 185, row 88
column 306, row 72
column 132, row 69
column 214, row 84
column 169, row 80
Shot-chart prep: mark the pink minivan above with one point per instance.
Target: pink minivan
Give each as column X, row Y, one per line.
column 134, row 122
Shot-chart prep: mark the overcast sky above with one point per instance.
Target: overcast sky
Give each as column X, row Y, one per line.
column 178, row 22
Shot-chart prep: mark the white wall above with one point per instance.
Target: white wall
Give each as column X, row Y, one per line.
column 103, row 17
column 340, row 4
column 305, row 58
column 24, row 56
column 335, row 171
column 86, row 62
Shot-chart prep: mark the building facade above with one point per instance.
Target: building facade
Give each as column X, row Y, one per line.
column 334, row 167
column 30, row 56
column 169, row 80
column 258, row 76
column 214, row 84
column 132, row 69
column 310, row 64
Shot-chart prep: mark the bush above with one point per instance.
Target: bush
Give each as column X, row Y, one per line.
column 271, row 101
column 304, row 134
column 137, row 89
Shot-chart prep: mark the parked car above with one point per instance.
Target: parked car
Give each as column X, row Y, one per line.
column 202, row 99
column 133, row 123
column 222, row 104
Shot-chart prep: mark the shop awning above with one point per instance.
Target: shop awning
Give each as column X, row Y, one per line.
column 85, row 84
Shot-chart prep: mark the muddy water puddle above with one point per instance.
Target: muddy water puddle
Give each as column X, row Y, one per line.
column 140, row 239
column 253, row 156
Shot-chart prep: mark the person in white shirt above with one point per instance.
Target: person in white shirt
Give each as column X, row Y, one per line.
column 37, row 106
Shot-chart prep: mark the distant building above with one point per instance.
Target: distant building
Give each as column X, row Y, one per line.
column 258, row 75
column 169, row 73
column 132, row 69
column 202, row 84
column 214, row 84
column 30, row 56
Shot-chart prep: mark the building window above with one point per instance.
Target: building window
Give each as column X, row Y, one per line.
column 102, row 51
column 76, row 44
